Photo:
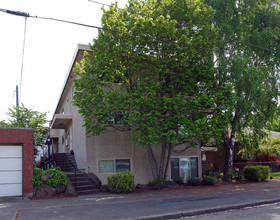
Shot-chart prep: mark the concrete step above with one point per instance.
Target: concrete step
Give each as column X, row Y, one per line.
column 86, row 192
column 85, row 187
column 82, row 183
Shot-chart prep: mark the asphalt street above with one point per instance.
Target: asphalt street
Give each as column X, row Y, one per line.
column 162, row 204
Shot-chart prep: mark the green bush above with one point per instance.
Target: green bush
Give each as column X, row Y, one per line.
column 159, row 180
column 122, row 182
column 257, row 173
column 56, row 168
column 232, row 174
column 34, row 163
column 194, row 181
column 209, row 180
column 56, row 177
column 36, row 179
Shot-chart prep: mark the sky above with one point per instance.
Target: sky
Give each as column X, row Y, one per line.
column 48, row 51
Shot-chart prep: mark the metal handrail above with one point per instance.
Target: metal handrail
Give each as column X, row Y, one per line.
column 75, row 169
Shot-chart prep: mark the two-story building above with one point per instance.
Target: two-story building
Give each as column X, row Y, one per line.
column 109, row 152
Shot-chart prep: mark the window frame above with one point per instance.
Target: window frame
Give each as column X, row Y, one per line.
column 190, row 165
column 114, row 164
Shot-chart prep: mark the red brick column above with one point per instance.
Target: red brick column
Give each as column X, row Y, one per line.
column 24, row 137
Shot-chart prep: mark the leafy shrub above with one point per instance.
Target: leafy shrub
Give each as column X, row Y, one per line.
column 232, row 174
column 56, row 168
column 122, row 182
column 36, row 179
column 34, row 163
column 194, row 181
column 159, row 180
column 56, row 177
column 212, row 173
column 209, row 180
column 179, row 181
column 257, row 173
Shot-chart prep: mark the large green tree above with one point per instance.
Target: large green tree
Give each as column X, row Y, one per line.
column 23, row 117
column 154, row 76
column 248, row 60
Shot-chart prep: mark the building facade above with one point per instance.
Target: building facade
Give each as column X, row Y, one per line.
column 112, row 151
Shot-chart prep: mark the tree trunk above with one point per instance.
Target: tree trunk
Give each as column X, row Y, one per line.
column 229, row 141
column 159, row 166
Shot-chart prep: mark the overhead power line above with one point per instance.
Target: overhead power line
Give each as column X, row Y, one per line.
column 18, row 13
column 24, row 14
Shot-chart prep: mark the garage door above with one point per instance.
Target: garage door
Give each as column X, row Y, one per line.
column 10, row 170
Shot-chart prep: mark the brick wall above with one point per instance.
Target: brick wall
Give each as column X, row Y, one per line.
column 24, row 137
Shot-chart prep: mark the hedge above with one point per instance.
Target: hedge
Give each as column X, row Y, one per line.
column 256, row 173
column 122, row 182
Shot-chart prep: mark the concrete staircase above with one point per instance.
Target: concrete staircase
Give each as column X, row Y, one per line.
column 82, row 183
column 66, row 162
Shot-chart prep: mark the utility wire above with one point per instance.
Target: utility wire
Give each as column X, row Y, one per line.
column 121, row 32
column 143, row 36
column 24, row 14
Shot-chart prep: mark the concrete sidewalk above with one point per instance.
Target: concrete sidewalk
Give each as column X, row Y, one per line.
column 161, row 204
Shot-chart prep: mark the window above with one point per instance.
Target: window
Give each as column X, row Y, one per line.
column 122, row 165
column 184, row 168
column 106, row 166
column 112, row 166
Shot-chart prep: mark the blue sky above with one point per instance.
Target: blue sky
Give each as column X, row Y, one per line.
column 49, row 49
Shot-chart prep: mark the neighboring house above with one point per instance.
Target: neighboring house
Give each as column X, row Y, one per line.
column 109, row 152
column 16, row 161
column 214, row 158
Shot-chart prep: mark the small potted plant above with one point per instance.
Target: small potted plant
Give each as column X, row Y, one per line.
column 71, row 152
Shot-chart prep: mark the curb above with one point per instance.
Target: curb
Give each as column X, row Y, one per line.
column 208, row 211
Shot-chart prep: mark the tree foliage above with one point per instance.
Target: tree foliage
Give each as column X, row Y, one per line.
column 23, row 117
column 154, row 76
column 270, row 146
column 274, row 123
column 248, row 60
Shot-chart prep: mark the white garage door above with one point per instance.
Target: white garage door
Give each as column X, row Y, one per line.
column 10, row 170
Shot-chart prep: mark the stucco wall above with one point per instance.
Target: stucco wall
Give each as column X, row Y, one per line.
column 116, row 145
column 75, row 132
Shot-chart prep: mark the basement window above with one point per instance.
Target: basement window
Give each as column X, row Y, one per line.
column 113, row 166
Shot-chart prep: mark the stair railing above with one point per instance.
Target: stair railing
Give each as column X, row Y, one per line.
column 75, row 169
